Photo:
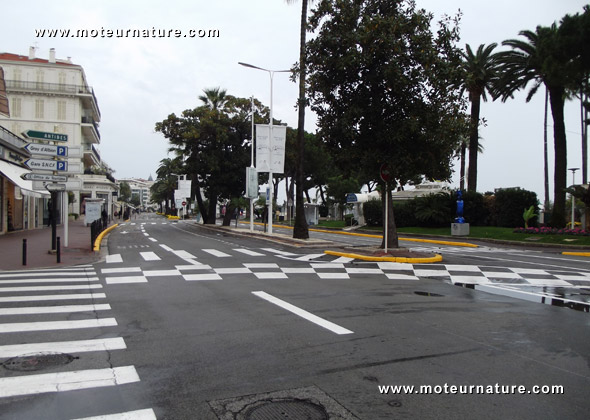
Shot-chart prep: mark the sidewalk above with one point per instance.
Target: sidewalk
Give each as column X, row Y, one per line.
column 79, row 250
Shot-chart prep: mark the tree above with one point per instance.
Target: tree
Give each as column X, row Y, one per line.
column 479, row 76
column 301, row 230
column 214, row 140
column 124, row 191
column 214, row 98
column 541, row 59
column 386, row 90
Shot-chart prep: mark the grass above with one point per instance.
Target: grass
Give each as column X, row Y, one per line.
column 479, row 232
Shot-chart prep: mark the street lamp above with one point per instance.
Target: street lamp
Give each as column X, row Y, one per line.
column 573, row 199
column 270, row 186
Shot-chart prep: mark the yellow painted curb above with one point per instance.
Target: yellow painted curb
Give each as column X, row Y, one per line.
column 101, row 235
column 577, row 254
column 368, row 235
column 436, row 258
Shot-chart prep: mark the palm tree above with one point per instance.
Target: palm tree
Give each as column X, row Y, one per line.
column 300, row 229
column 480, row 71
column 540, row 59
column 214, row 98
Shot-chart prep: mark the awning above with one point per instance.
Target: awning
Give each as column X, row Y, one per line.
column 13, row 173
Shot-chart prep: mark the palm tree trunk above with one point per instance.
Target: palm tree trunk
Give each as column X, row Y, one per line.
column 545, row 156
column 556, row 98
column 473, row 143
column 462, row 171
column 584, row 116
column 300, row 230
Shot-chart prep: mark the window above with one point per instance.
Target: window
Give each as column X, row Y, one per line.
column 61, row 80
column 15, row 107
column 40, row 79
column 17, row 76
column 39, row 108
column 61, row 110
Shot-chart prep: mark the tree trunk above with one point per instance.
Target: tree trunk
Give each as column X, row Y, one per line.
column 545, row 156
column 462, row 171
column 560, row 147
column 473, row 143
column 584, row 116
column 392, row 238
column 201, row 205
column 300, row 230
column 212, row 211
column 229, row 211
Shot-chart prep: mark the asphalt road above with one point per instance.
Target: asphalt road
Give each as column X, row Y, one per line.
column 216, row 326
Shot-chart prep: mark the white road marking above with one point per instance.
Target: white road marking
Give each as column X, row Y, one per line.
column 58, row 280
column 45, row 288
column 184, row 255
column 114, row 258
column 153, row 239
column 126, row 279
column 200, row 277
column 193, row 267
column 54, row 309
column 302, row 313
column 327, row 265
column 121, row 270
column 216, row 253
column 249, row 252
column 57, row 325
column 67, row 381
column 261, row 265
column 149, row 256
column 102, row 344
column 309, row 257
column 161, row 273
column 277, row 251
column 333, row 275
column 48, row 274
column 147, row 414
column 235, row 270
column 298, row 270
column 364, row 271
column 271, row 275
column 167, row 248
column 53, row 297
column 392, row 276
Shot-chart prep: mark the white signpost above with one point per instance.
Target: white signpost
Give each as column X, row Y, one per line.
column 46, row 149
column 46, row 165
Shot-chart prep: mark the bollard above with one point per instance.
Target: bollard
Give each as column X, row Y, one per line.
column 24, row 252
column 58, row 251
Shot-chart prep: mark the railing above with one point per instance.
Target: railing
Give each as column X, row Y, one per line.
column 51, row 87
column 90, row 120
column 95, row 228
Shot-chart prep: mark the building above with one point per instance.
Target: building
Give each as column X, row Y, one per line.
column 140, row 188
column 52, row 95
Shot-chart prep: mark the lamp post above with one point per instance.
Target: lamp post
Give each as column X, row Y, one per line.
column 573, row 198
column 270, row 186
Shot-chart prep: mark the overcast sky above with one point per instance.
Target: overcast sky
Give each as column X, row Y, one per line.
column 140, row 81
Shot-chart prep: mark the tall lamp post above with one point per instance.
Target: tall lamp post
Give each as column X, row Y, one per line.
column 270, row 186
column 573, row 198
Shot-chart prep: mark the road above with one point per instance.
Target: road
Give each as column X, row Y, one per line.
column 183, row 323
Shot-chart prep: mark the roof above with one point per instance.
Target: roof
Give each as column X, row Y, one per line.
column 23, row 58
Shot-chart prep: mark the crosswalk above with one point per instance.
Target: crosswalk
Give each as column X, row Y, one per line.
column 38, row 306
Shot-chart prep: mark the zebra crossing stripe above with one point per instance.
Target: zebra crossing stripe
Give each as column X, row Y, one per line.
column 249, row 252
column 57, row 325
column 121, row 270
column 126, row 279
column 46, row 288
column 59, row 280
column 47, row 274
column 147, row 414
column 72, row 296
column 277, row 251
column 216, row 253
column 80, row 346
column 31, row 310
column 149, row 256
column 67, row 381
column 115, row 258
column 201, row 277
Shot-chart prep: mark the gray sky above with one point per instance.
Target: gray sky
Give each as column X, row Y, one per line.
column 140, row 81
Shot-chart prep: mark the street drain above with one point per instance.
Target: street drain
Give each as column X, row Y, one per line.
column 37, row 361
column 428, row 294
column 286, row 409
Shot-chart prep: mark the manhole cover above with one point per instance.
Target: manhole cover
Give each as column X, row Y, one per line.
column 37, row 361
column 287, row 409
column 428, row 294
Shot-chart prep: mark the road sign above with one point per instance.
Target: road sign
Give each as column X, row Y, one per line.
column 55, row 187
column 42, row 177
column 46, row 149
column 385, row 172
column 44, row 135
column 46, row 164
column 72, row 184
column 183, row 203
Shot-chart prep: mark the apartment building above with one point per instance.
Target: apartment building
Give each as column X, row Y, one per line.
column 53, row 95
column 140, row 188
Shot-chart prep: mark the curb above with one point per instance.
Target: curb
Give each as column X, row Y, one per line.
column 577, row 254
column 101, row 235
column 436, row 258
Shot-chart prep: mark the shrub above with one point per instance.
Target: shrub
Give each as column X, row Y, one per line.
column 509, row 204
column 434, row 210
column 475, row 211
column 373, row 212
column 405, row 213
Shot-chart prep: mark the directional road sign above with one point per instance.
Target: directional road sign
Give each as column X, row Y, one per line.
column 55, row 187
column 44, row 135
column 46, row 164
column 42, row 177
column 46, row 149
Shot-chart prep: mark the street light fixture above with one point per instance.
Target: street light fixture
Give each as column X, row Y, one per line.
column 270, row 186
column 573, row 198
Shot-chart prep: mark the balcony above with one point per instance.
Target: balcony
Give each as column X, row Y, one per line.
column 90, row 130
column 91, row 156
column 86, row 93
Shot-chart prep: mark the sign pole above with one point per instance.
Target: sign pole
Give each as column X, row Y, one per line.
column 251, row 166
column 386, row 214
column 65, row 216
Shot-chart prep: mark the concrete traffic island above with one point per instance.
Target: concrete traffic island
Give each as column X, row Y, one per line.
column 397, row 255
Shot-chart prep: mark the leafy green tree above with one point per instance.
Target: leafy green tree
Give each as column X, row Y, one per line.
column 542, row 59
column 480, row 73
column 124, row 191
column 386, row 90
